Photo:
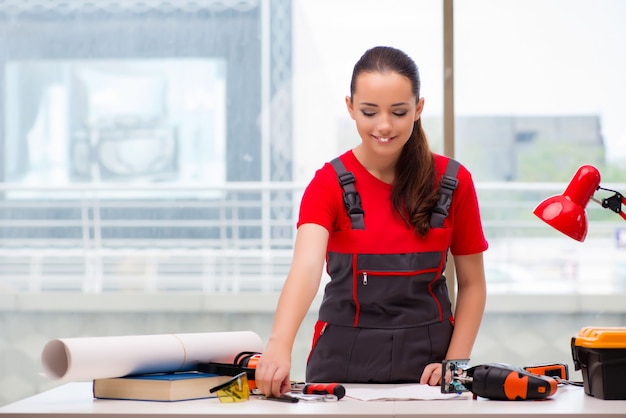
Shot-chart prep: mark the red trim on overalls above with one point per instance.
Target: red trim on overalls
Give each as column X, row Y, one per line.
column 430, row 286
column 355, row 285
column 318, row 331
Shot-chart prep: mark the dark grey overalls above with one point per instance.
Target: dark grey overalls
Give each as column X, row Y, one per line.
column 384, row 317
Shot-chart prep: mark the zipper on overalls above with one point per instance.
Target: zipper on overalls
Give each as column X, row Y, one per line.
column 365, row 279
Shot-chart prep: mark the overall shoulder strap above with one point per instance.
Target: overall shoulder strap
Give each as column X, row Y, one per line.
column 448, row 185
column 351, row 197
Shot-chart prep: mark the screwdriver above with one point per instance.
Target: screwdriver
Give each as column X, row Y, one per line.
column 325, row 389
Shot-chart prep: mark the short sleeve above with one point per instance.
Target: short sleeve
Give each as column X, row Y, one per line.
column 321, row 200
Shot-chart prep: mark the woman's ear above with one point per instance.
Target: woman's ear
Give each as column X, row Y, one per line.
column 350, row 106
column 419, row 106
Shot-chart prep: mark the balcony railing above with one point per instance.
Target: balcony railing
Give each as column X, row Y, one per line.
column 239, row 238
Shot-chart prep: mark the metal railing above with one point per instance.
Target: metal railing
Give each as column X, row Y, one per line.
column 120, row 237
column 239, row 238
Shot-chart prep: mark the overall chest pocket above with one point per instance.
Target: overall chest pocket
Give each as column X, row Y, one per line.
column 391, row 294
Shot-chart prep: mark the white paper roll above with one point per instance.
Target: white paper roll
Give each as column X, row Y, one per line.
column 88, row 358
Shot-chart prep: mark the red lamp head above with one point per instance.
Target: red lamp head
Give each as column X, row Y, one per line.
column 566, row 212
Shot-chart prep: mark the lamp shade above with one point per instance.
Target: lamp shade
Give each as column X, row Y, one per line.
column 566, row 212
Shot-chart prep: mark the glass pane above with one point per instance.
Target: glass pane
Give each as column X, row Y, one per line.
column 539, row 92
column 123, row 126
column 327, row 44
column 151, row 120
column 150, row 145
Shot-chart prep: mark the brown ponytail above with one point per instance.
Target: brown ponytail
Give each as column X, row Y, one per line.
column 414, row 194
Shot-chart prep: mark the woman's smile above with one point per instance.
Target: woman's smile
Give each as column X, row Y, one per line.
column 383, row 139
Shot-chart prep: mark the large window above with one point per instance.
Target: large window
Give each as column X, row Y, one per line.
column 136, row 131
column 123, row 125
column 133, row 131
column 539, row 92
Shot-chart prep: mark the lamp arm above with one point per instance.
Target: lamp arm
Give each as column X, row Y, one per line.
column 614, row 202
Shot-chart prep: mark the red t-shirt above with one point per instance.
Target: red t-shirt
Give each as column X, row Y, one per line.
column 322, row 204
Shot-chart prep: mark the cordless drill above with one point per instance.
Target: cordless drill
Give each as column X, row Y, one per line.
column 497, row 381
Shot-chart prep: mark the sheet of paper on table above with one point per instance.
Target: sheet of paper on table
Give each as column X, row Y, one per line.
column 402, row 393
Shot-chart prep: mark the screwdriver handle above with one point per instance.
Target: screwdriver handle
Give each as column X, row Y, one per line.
column 325, row 389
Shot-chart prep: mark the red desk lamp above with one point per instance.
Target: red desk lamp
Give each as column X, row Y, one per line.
column 566, row 212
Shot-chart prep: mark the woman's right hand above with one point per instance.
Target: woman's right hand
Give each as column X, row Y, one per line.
column 301, row 286
column 271, row 375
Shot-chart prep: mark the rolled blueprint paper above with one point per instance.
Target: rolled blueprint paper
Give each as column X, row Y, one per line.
column 88, row 358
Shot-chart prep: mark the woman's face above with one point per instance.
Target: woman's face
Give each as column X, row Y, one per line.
column 384, row 108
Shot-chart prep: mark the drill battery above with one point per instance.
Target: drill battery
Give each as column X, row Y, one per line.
column 559, row 370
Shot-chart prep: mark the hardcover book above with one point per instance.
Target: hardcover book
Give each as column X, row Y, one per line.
column 158, row 386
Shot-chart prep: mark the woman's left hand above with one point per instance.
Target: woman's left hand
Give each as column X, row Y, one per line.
column 431, row 375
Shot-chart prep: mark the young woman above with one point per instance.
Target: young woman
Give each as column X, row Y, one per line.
column 386, row 315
